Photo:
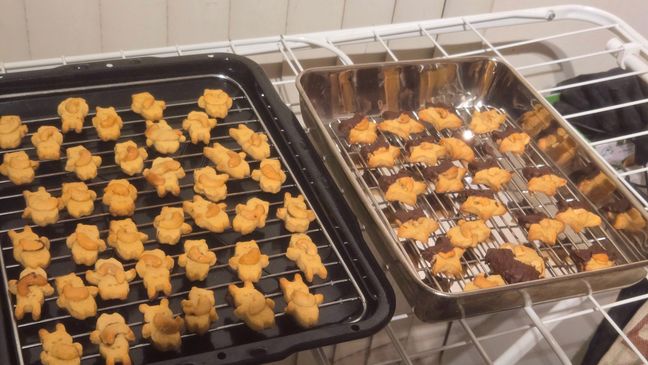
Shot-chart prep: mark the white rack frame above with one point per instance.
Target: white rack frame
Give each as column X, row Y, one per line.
column 628, row 46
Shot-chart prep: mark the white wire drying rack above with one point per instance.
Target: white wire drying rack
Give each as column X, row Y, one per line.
column 515, row 36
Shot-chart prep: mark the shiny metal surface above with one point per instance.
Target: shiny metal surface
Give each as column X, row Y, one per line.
column 468, row 84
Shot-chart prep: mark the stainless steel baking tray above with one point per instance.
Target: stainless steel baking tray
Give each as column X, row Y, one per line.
column 329, row 95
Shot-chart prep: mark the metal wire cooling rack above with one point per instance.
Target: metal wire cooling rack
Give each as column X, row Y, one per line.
column 520, row 37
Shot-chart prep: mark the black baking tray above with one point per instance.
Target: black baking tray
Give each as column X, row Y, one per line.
column 30, row 95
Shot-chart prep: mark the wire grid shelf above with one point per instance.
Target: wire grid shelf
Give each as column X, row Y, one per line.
column 625, row 46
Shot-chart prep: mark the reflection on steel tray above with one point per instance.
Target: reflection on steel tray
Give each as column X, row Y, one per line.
column 332, row 94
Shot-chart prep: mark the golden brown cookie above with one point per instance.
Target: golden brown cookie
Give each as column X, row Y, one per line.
column 207, row 215
column 541, row 227
column 526, row 256
column 597, row 187
column 130, row 158
column 228, row 161
column 200, row 310
column 75, row 297
column 457, row 149
column 163, row 137
column 511, row 140
column 248, row 261
column 295, row 214
column 445, row 258
column 488, row 172
column 401, row 124
column 41, row 207
column 30, row 290
column 161, row 326
column 145, row 105
column 58, row 347
column 303, row 252
column 72, row 112
column 482, row 204
column 625, row 217
column 380, row 153
column 18, row 167
column 250, row 216
column 482, row 281
column 301, row 304
column 111, row 279
column 215, row 102
column 82, row 162
column 170, row 225
column 440, row 117
column 413, row 224
column 12, row 130
column 252, row 307
column 468, row 233
column 78, row 199
column 402, row 187
column 197, row 259
column 30, row 250
column 592, row 258
column 210, row 184
column 543, row 180
column 113, row 336
column 358, row 129
column 154, row 267
column 120, row 195
column 164, row 175
column 124, row 237
column 536, row 120
column 559, row 146
column 85, row 244
column 47, row 141
column 447, row 177
column 107, row 123
column 576, row 216
column 270, row 176
column 199, row 126
column 253, row 143
column 486, row 121
column 425, row 150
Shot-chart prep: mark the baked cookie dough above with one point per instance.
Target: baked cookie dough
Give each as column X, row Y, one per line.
column 303, row 251
column 210, row 184
column 543, row 180
column 78, row 199
column 252, row 307
column 41, row 207
column 488, row 172
column 270, row 176
column 255, row 144
column 228, row 161
column 301, row 304
column 47, row 141
column 120, row 195
column 558, row 145
column 401, row 187
column 216, row 102
column 130, row 158
column 358, row 129
column 540, row 227
column 447, row 177
column 199, row 126
column 248, row 261
column 414, row 224
column 482, row 281
column 111, row 279
column 107, row 123
column 503, row 262
column 486, row 121
column 75, row 297
column 445, row 258
column 154, row 267
column 164, row 175
column 511, row 140
column 147, row 106
column 30, row 290
column 85, row 244
column 197, row 259
column 73, row 112
column 250, row 216
column 170, row 225
column 12, row 130
column 593, row 258
column 576, row 216
column 163, row 137
column 295, row 214
column 527, row 256
column 18, row 167
column 124, row 237
column 161, row 326
column 596, row 186
column 483, row 204
column 468, row 233
column 401, row 124
column 30, row 250
column 457, row 149
column 625, row 217
column 440, row 117
column 380, row 153
column 200, row 310
column 425, row 150
column 58, row 347
column 82, row 162
column 207, row 215
column 113, row 336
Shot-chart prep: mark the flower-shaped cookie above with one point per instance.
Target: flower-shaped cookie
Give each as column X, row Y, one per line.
column 111, row 278
column 445, row 258
column 440, row 117
column 145, row 105
column 30, row 290
column 170, row 225
column 130, row 158
column 541, row 227
column 447, row 177
column 41, row 207
column 47, row 141
column 401, row 124
column 527, row 256
column 512, row 140
column 252, row 307
column 78, row 199
column 196, row 259
column 303, row 251
column 576, row 216
column 113, row 335
column 215, row 102
column 124, row 237
column 72, row 112
column 488, row 172
column 414, row 224
column 82, row 162
column 163, row 137
column 207, row 215
column 164, row 175
column 543, row 180
column 487, row 121
column 358, row 129
column 468, row 233
column 18, row 167
column 120, row 195
column 228, row 161
column 154, row 267
column 402, row 187
column 85, row 244
column 248, row 261
column 58, row 348
column 270, row 176
column 483, row 204
column 107, row 123
column 253, row 143
column 199, row 309
column 457, row 149
column 75, row 297
column 302, row 305
column 250, row 216
column 210, row 184
column 30, row 250
column 295, row 214
column 161, row 326
column 482, row 281
column 11, row 131
column 425, row 150
column 380, row 153
column 199, row 126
